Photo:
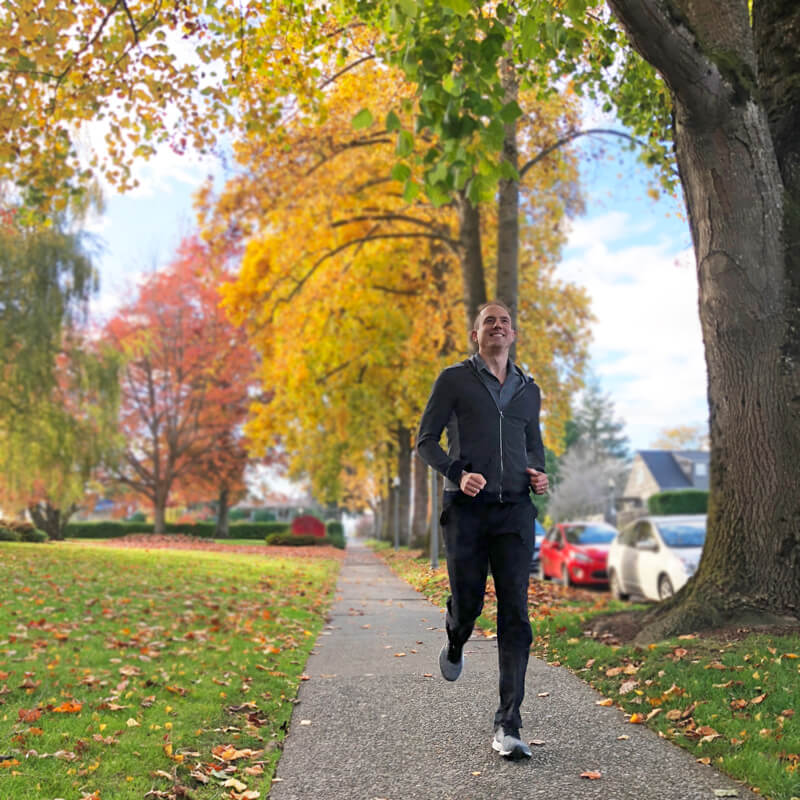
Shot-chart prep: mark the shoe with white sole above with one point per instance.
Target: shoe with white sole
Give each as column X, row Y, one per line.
column 507, row 742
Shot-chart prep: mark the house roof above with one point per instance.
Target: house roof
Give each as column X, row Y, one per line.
column 665, row 468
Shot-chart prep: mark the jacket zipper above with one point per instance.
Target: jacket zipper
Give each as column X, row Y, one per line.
column 501, row 454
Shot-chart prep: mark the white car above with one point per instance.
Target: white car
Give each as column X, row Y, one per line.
column 655, row 556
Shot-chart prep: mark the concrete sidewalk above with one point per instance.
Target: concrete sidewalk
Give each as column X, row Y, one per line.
column 373, row 724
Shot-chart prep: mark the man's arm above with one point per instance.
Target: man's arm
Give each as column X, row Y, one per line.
column 434, row 418
column 533, row 436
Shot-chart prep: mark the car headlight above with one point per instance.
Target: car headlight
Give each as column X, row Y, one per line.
column 582, row 557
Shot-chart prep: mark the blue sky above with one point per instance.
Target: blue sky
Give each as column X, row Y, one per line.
column 631, row 253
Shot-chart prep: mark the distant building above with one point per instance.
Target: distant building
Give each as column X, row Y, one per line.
column 654, row 471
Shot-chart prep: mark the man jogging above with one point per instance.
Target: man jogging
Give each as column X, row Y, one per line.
column 495, row 456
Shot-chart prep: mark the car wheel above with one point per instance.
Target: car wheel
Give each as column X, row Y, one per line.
column 615, row 587
column 565, row 579
column 540, row 572
column 665, row 589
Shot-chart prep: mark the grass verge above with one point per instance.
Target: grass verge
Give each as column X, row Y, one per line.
column 126, row 673
column 731, row 701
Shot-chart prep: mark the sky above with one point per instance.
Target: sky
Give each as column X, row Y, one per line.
column 630, row 252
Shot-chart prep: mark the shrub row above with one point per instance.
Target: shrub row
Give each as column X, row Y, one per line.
column 679, row 501
column 335, row 531
column 110, row 529
column 289, row 539
column 18, row 531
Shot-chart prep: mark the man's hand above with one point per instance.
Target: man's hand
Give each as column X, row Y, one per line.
column 538, row 481
column 471, row 483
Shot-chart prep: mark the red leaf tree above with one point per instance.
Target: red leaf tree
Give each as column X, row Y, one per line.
column 185, row 387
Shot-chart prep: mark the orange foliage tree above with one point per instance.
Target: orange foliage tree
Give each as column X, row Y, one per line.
column 353, row 290
column 185, row 385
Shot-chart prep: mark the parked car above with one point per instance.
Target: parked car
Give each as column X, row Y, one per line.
column 655, row 556
column 576, row 552
column 537, row 543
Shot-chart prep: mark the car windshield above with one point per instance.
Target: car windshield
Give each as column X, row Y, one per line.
column 589, row 534
column 683, row 534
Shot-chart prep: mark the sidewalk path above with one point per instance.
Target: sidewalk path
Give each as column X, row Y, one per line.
column 373, row 725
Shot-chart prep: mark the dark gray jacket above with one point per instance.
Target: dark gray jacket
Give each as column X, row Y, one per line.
column 481, row 438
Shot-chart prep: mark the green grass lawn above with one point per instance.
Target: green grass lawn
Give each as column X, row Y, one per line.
column 124, row 672
column 734, row 704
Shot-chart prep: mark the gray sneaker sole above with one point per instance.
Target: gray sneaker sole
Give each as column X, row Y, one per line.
column 515, row 753
column 449, row 670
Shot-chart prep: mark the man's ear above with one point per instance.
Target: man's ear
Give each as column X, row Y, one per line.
column 473, row 335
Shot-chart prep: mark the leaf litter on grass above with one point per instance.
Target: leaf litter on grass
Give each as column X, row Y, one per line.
column 125, row 672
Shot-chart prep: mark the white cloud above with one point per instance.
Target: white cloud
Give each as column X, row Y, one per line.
column 647, row 345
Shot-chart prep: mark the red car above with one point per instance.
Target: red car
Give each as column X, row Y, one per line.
column 576, row 552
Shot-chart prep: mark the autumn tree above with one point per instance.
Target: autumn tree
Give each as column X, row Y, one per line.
column 682, row 437
column 58, row 393
column 185, row 382
column 352, row 285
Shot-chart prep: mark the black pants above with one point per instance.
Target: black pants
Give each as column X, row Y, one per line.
column 477, row 535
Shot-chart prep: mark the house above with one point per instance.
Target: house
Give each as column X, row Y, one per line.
column 655, row 471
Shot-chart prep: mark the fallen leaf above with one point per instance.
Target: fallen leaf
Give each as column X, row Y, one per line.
column 132, row 723
column 592, row 775
column 628, row 686
column 606, row 701
column 636, row 719
column 756, row 700
column 536, row 742
column 705, row 760
column 726, row 793
column 623, row 737
column 475, row 773
column 305, row 721
column 68, row 708
column 233, row 783
column 653, row 713
column 399, row 655
column 543, row 694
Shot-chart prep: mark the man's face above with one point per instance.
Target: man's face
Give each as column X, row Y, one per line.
column 494, row 333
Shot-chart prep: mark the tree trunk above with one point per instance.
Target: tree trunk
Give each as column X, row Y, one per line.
column 472, row 273
column 508, row 203
column 222, row 530
column 160, row 514
column 750, row 569
column 51, row 520
column 404, row 487
column 419, row 525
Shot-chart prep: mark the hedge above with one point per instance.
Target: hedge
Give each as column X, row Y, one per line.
column 18, row 531
column 335, row 532
column 679, row 501
column 110, row 529
column 288, row 539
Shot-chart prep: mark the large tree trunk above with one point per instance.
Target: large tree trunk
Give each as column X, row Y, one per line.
column 53, row 521
column 160, row 514
column 750, row 570
column 419, row 524
column 508, row 204
column 223, row 507
column 472, row 273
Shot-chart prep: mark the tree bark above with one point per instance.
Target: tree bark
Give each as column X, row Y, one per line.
column 508, row 204
column 50, row 519
column 160, row 514
column 222, row 530
column 419, row 525
column 735, row 196
column 472, row 272
column 404, row 487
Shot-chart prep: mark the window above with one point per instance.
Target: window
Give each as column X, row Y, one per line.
column 700, row 470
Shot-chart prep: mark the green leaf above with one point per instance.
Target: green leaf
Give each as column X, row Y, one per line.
column 408, row 8
column 363, row 119
column 510, row 111
column 410, row 191
column 393, row 122
column 405, row 144
column 401, row 172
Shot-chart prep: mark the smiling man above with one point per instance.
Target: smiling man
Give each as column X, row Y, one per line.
column 495, row 456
